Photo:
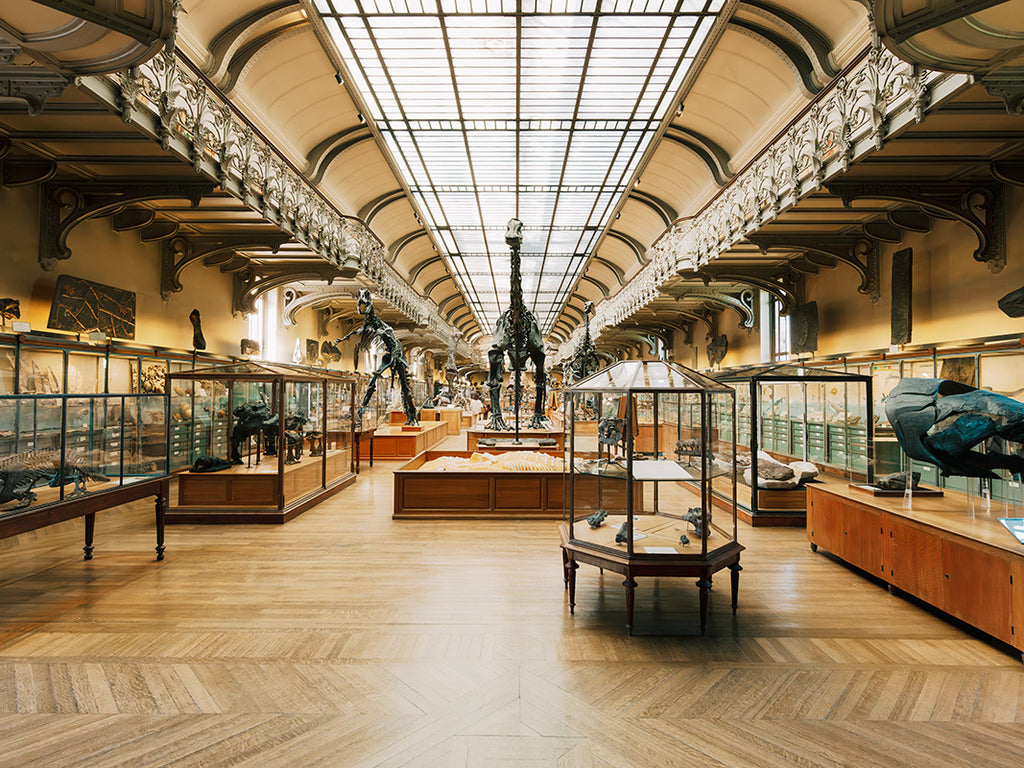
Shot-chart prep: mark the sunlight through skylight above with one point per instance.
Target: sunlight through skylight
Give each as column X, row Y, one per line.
column 538, row 110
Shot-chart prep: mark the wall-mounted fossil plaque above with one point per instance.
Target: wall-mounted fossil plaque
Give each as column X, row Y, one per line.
column 81, row 306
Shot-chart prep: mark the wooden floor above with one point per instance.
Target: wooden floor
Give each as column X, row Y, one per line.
column 347, row 639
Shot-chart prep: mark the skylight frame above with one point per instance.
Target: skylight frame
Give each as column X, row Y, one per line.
column 450, row 128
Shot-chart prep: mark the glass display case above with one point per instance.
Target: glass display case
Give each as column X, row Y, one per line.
column 787, row 418
column 72, row 455
column 258, row 442
column 639, row 499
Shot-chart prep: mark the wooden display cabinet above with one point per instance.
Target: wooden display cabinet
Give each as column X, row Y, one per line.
column 298, row 449
column 965, row 564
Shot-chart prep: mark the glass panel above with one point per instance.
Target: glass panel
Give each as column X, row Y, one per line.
column 303, row 420
column 41, row 373
column 86, row 373
column 7, row 363
column 544, row 115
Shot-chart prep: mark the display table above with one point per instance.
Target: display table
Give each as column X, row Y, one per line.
column 452, row 417
column 661, row 534
column 476, row 493
column 260, row 493
column 46, row 512
column 967, row 565
column 528, row 495
column 391, row 442
column 480, row 430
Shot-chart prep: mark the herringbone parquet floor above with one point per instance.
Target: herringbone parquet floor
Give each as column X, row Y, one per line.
column 347, row 639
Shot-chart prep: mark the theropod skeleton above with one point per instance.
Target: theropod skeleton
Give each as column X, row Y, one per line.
column 517, row 334
column 394, row 359
column 584, row 359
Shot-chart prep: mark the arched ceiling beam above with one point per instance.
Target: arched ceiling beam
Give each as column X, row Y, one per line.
column 611, row 266
column 794, row 57
column 227, row 39
column 444, row 302
column 327, row 151
column 375, row 206
column 434, row 283
column 396, row 248
column 743, row 302
column 604, row 289
column 248, row 52
column 712, row 155
column 420, row 266
column 665, row 212
column 812, row 40
column 634, row 245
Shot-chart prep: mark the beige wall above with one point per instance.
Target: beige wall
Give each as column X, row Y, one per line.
column 118, row 259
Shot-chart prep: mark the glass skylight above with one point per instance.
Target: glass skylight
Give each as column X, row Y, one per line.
column 500, row 108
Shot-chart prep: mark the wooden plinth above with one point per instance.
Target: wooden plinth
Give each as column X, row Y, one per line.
column 499, row 495
column 392, row 443
column 452, row 417
column 258, row 494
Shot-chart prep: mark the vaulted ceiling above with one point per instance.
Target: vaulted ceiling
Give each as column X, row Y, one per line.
column 763, row 64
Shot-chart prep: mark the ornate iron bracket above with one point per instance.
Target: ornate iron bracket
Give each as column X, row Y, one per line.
column 90, row 201
column 982, row 207
column 860, row 253
column 31, row 85
column 179, row 252
column 249, row 284
column 742, row 301
column 785, row 285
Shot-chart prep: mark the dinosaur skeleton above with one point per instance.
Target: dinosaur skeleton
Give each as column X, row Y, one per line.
column 394, row 359
column 516, row 334
column 22, row 472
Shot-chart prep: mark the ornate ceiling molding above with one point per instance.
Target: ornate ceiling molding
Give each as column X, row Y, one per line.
column 164, row 98
column 855, row 116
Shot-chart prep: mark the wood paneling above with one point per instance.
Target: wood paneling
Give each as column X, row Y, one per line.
column 928, row 552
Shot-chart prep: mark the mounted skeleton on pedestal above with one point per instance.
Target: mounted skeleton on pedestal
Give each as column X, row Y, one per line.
column 517, row 334
column 373, row 327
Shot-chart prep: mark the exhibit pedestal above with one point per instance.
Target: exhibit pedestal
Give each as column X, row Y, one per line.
column 392, row 443
column 259, row 493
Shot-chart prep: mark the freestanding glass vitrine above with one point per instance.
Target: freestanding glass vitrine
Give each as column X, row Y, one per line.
column 639, row 499
column 794, row 415
column 258, row 442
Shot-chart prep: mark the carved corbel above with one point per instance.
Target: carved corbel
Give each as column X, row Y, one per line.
column 249, row 284
column 31, row 85
column 982, row 207
column 180, row 252
column 22, row 172
column 785, row 285
column 860, row 253
column 64, row 207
